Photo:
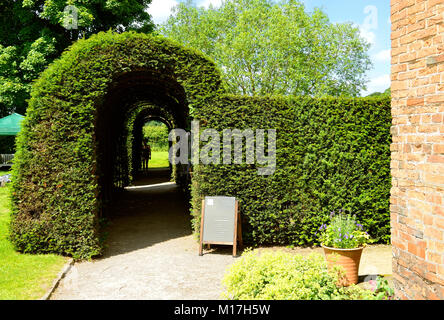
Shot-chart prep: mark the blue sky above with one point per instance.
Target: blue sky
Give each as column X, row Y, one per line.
column 372, row 17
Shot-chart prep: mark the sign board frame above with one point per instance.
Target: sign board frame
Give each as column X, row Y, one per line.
column 237, row 233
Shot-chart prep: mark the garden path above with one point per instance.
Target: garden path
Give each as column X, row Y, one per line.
column 152, row 254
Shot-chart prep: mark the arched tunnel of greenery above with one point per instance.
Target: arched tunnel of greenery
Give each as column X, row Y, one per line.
column 79, row 141
column 136, row 123
column 131, row 101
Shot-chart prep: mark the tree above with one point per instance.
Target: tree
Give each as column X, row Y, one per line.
column 157, row 134
column 386, row 93
column 265, row 47
column 32, row 35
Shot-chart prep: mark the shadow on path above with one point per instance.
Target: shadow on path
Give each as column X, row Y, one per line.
column 154, row 210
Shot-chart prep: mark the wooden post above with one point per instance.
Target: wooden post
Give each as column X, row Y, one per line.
column 239, row 230
column 236, row 223
column 201, row 227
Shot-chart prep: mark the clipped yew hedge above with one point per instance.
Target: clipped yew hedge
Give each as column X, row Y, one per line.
column 56, row 189
column 332, row 153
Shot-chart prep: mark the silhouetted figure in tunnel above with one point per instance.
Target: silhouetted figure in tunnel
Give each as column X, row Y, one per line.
column 146, row 154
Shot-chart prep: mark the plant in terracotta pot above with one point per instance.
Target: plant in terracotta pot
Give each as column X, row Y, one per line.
column 343, row 240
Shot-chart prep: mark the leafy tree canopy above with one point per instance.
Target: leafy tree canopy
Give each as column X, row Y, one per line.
column 267, row 47
column 32, row 35
column 386, row 93
column 157, row 134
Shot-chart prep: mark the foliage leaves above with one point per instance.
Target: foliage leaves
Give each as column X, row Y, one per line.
column 332, row 153
column 157, row 135
column 274, row 47
column 286, row 276
column 32, row 36
column 59, row 173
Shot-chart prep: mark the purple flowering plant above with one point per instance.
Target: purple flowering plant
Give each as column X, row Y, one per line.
column 343, row 232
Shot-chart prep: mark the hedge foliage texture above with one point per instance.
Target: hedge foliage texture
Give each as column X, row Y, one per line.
column 60, row 172
column 332, row 154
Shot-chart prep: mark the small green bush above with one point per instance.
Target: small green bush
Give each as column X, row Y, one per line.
column 285, row 276
column 343, row 232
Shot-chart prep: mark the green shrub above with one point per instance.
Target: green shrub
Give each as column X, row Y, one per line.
column 332, row 153
column 286, row 276
column 343, row 232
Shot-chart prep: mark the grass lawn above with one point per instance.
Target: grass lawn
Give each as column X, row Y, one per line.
column 23, row 276
column 159, row 159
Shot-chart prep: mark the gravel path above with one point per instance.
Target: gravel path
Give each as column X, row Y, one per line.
column 152, row 254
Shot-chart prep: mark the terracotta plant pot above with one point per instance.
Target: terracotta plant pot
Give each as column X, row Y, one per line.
column 347, row 258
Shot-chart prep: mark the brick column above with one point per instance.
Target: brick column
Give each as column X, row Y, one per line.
column 417, row 166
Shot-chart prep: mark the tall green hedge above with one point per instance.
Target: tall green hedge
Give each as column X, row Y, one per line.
column 59, row 176
column 332, row 154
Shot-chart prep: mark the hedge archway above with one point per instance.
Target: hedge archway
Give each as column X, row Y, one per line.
column 73, row 147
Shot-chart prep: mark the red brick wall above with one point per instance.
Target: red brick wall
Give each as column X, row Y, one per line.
column 417, row 166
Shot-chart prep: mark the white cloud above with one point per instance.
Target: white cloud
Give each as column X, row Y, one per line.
column 378, row 84
column 368, row 35
column 161, row 9
column 382, row 56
